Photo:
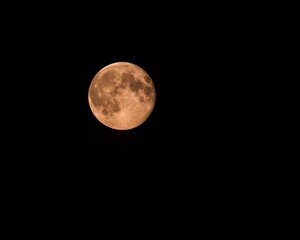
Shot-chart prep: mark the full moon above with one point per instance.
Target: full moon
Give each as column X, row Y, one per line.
column 122, row 96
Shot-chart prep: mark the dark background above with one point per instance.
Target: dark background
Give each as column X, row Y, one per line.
column 216, row 159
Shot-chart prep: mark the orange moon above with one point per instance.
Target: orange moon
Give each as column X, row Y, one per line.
column 122, row 96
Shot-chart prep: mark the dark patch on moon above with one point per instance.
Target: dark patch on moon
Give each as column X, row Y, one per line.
column 136, row 85
column 107, row 78
column 109, row 104
column 106, row 101
column 105, row 112
column 116, row 91
column 94, row 96
column 126, row 79
column 115, row 106
column 147, row 79
column 148, row 91
column 142, row 99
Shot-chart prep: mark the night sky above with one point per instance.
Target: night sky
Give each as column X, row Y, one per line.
column 215, row 160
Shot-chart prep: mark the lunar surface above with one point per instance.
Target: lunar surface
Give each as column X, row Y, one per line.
column 122, row 95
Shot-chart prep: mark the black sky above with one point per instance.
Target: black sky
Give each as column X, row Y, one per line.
column 216, row 159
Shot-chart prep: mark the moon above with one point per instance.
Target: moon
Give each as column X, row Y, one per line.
column 122, row 95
